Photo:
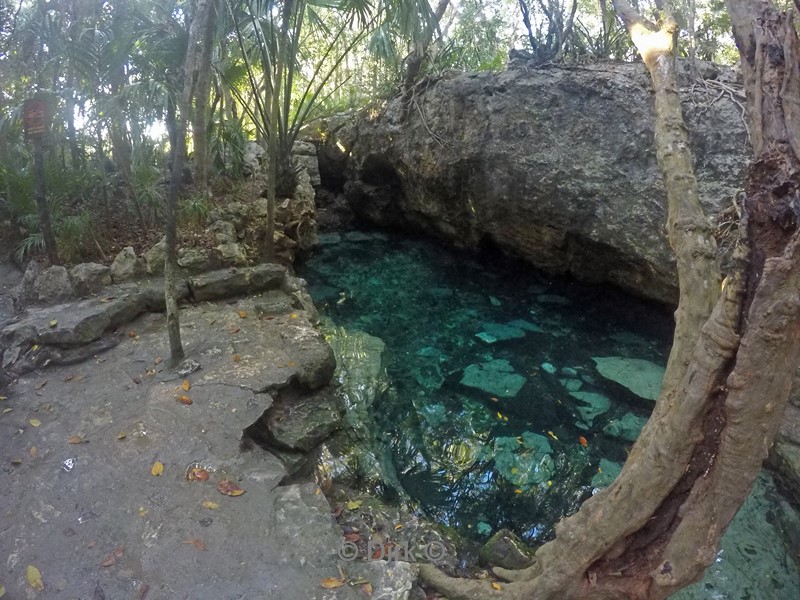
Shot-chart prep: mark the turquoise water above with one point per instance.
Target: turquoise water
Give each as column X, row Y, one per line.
column 498, row 414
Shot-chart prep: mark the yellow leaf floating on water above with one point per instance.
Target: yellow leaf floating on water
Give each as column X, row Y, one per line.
column 330, row 583
column 353, row 504
column 552, row 435
column 35, row 422
column 518, row 491
column 157, row 468
column 186, row 385
column 497, row 586
column 550, row 483
column 34, row 577
column 210, row 505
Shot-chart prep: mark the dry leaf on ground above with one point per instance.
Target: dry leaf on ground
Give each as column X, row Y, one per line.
column 331, row 582
column 227, row 487
column 157, row 468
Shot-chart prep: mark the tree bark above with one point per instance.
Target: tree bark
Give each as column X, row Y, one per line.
column 201, row 115
column 658, row 526
column 417, row 56
column 194, row 50
column 49, row 238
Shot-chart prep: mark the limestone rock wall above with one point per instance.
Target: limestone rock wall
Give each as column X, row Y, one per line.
column 555, row 165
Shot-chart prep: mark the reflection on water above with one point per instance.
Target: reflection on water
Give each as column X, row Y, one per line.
column 512, row 395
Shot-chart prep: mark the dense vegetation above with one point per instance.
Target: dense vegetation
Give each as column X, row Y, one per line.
column 112, row 77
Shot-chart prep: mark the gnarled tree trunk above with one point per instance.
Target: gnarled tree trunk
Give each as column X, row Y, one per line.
column 658, row 526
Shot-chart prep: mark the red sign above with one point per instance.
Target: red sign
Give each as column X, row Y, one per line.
column 35, row 118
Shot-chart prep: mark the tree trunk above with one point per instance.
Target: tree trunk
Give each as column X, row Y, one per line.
column 417, row 56
column 658, row 526
column 201, row 115
column 50, row 246
column 194, row 50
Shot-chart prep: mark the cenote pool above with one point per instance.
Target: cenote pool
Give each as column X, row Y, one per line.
column 512, row 395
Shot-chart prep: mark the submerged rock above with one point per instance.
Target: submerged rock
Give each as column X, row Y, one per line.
column 496, row 377
column 642, row 377
column 592, row 405
column 627, row 428
column 607, row 472
column 504, row 549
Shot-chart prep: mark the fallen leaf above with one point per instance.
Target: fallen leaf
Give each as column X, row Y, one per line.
column 3, row 398
column 186, row 385
column 291, row 363
column 227, row 487
column 2, row 591
column 158, row 360
column 7, row 410
column 74, row 439
column 131, row 334
column 493, row 399
column 243, row 314
column 34, row 452
column 354, row 504
column 233, row 329
column 197, row 474
column 109, row 561
column 583, row 441
column 69, row 378
column 119, row 551
column 337, row 512
column 398, row 527
column 518, row 491
column 183, row 399
column 16, row 461
column 552, row 435
column 209, row 504
column 352, row 536
column 293, row 316
column 497, row 586
column 122, row 435
column 34, row 577
column 366, row 588
column 157, row 468
column 199, row 544
column 236, row 358
column 143, row 512
column 53, row 323
column 35, row 422
column 330, row 583
column 40, row 385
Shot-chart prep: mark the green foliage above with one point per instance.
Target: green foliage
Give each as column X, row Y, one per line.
column 194, row 210
column 227, row 145
column 479, row 40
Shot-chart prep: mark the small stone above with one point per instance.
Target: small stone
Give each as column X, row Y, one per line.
column 494, row 301
column 496, row 377
column 126, row 265
column 642, row 377
column 571, row 385
column 485, row 337
column 188, row 367
column 548, row 368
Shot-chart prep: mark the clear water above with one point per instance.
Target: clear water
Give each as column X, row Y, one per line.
column 526, row 451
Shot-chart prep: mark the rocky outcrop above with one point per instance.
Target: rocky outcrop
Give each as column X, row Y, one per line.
column 554, row 164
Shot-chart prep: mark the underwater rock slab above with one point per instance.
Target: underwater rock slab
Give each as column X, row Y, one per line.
column 496, row 377
column 628, row 427
column 642, row 377
column 606, row 473
column 594, row 405
column 501, row 331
